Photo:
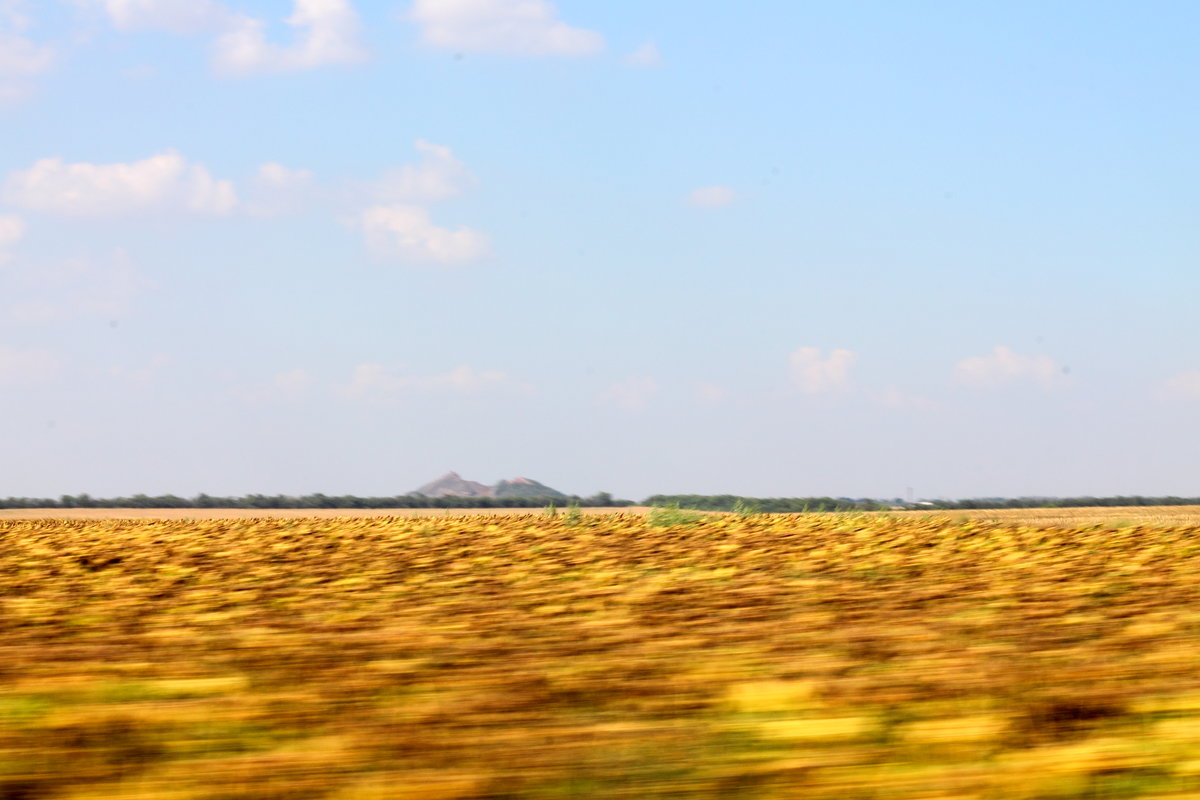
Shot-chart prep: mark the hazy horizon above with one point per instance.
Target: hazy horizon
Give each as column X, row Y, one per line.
column 339, row 246
column 569, row 493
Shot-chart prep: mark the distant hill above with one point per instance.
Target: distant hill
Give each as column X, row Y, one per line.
column 525, row 487
column 454, row 485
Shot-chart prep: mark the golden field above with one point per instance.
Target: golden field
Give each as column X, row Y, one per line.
column 1113, row 516
column 518, row 656
column 277, row 513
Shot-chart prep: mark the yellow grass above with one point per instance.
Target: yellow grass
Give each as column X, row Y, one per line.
column 1074, row 517
column 515, row 656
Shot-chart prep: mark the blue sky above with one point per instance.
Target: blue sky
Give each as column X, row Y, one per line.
column 770, row 249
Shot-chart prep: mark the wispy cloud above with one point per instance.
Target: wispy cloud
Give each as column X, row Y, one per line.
column 20, row 367
column 144, row 373
column 20, row 57
column 277, row 176
column 12, row 230
column 437, row 176
column 386, row 384
column 174, row 16
column 710, row 393
column 813, row 374
column 70, row 289
column 1182, row 385
column 518, row 27
column 1004, row 366
column 284, row 387
column 632, row 394
column 276, row 189
column 892, row 396
column 712, row 197
column 646, row 56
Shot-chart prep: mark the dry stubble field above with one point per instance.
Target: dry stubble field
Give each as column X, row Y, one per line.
column 516, row 656
column 275, row 513
column 1116, row 516
column 1109, row 516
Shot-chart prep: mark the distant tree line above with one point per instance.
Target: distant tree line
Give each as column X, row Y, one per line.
column 786, row 505
column 769, row 505
column 698, row 502
column 599, row 500
column 1061, row 502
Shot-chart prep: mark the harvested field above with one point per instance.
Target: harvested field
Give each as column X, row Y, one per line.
column 1113, row 516
column 277, row 513
column 813, row 656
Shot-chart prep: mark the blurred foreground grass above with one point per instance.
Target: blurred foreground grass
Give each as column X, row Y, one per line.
column 761, row 656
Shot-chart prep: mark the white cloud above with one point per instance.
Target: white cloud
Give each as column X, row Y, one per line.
column 72, row 288
column 174, row 16
column 893, row 396
column 12, row 230
column 712, row 197
column 382, row 383
column 645, row 57
column 13, row 92
column 397, row 224
column 277, row 176
column 13, row 15
column 294, row 381
column 144, row 374
column 1185, row 384
column 632, row 394
column 284, row 387
column 813, row 374
column 405, row 232
column 20, row 57
column 1003, row 365
column 25, row 366
column 162, row 182
column 520, row 27
column 327, row 32
column 276, row 189
column 437, row 176
column 711, row 393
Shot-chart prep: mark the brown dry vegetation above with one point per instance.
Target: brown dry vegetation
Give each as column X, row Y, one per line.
column 814, row 656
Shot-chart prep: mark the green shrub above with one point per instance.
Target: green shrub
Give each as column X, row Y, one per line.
column 745, row 509
column 672, row 514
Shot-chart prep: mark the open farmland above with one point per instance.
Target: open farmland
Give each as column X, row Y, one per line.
column 277, row 513
column 1109, row 516
column 815, row 656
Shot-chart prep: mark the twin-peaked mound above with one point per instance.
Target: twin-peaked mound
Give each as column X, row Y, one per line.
column 454, row 485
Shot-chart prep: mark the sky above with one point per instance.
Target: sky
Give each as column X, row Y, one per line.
column 772, row 249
